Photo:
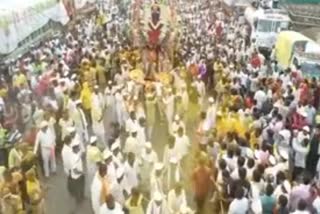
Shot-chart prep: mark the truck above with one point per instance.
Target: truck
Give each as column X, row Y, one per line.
column 294, row 50
column 265, row 24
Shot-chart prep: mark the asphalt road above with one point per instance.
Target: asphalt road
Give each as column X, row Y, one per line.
column 59, row 201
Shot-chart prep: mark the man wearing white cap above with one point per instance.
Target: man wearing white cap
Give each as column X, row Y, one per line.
column 184, row 209
column 211, row 114
column 100, row 188
column 149, row 155
column 110, row 206
column 200, row 87
column 271, row 169
column 149, row 158
column 109, row 101
column 80, row 122
column 45, row 139
column 283, row 163
column 303, row 134
column 157, row 179
column 132, row 171
column 77, row 182
column 65, row 154
column 120, row 189
column 168, row 101
column 182, row 144
column 93, row 156
column 283, row 143
column 173, row 172
column 111, row 166
column 97, row 114
column 176, row 199
column 132, row 144
column 301, row 151
column 176, row 124
column 120, row 107
column 141, row 135
column 66, row 124
column 117, row 156
column 131, row 122
column 157, row 205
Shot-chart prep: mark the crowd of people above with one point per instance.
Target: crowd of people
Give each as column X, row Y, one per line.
column 235, row 133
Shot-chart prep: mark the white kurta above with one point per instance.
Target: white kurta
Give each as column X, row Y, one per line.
column 182, row 146
column 131, row 173
column 169, row 108
column 117, row 190
column 132, row 145
column 141, row 137
column 111, row 172
column 81, row 124
column 201, row 89
column 64, row 124
column 176, row 201
column 105, row 210
column 95, row 190
column 97, row 115
column 173, row 175
column 210, row 120
column 156, row 184
column 154, row 209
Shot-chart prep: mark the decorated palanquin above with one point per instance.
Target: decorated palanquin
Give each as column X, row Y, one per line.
column 154, row 24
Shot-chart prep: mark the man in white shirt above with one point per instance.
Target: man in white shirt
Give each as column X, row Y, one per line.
column 65, row 154
column 93, row 156
column 111, row 206
column 120, row 189
column 200, row 87
column 239, row 205
column 111, row 165
column 131, row 122
column 210, row 115
column 182, row 144
column 76, row 173
column 157, row 205
column 131, row 171
column 157, row 179
column 132, row 144
column 117, row 156
column 177, row 122
column 45, row 139
column 260, row 96
column 97, row 115
column 176, row 199
column 80, row 121
column 173, row 173
column 98, row 188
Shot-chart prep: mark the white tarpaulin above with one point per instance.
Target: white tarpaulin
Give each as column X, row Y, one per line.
column 79, row 4
column 237, row 3
column 18, row 19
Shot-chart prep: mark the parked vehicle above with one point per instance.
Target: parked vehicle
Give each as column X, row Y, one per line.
column 265, row 26
column 294, row 49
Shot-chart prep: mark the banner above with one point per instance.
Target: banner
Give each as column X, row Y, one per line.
column 18, row 19
column 79, row 4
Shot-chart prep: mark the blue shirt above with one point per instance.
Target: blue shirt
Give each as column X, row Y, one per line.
column 268, row 203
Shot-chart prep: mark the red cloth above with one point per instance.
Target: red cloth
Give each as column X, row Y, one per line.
column 248, row 102
column 298, row 121
column 194, row 70
column 202, row 181
column 304, row 95
column 219, row 30
column 30, row 136
column 255, row 61
column 154, row 34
